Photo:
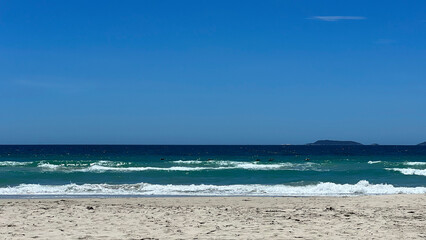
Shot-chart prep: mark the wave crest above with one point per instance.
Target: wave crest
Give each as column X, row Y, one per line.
column 191, row 165
column 13, row 163
column 415, row 163
column 374, row 162
column 363, row 187
column 409, row 171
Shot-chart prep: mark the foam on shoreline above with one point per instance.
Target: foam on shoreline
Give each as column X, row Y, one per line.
column 145, row 189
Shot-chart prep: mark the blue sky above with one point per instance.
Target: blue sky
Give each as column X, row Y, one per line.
column 212, row 72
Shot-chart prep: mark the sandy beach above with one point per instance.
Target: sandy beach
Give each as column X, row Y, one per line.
column 365, row 217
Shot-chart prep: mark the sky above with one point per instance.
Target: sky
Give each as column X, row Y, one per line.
column 212, row 72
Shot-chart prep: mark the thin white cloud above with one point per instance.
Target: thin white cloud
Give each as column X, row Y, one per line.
column 337, row 18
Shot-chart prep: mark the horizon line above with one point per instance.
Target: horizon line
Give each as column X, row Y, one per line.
column 177, row 144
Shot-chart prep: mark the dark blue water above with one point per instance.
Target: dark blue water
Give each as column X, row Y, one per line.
column 211, row 170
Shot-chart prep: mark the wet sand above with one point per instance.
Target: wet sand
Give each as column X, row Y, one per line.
column 365, row 217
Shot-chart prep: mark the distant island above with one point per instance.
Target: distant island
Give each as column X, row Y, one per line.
column 422, row 144
column 334, row 142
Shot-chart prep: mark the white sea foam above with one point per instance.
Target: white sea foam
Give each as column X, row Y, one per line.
column 409, row 171
column 103, row 166
column 108, row 163
column 259, row 165
column 13, row 163
column 78, row 165
column 415, row 163
column 256, row 166
column 189, row 162
column 374, row 162
column 49, row 166
column 250, row 165
column 322, row 189
column 97, row 168
column 227, row 163
column 236, row 165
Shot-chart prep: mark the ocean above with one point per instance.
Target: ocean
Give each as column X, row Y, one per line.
column 205, row 170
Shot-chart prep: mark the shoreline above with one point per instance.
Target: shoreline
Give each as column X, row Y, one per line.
column 401, row 216
column 106, row 196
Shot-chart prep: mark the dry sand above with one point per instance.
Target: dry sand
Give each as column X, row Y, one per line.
column 367, row 217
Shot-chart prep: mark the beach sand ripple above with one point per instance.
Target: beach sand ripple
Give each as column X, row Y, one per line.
column 363, row 217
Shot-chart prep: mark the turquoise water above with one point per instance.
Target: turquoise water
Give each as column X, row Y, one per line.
column 212, row 170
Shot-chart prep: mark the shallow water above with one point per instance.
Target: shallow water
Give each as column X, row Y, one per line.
column 211, row 170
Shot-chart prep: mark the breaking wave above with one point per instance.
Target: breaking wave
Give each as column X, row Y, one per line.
column 193, row 165
column 97, row 168
column 363, row 187
column 374, row 162
column 188, row 161
column 49, row 165
column 409, row 171
column 415, row 163
column 13, row 163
